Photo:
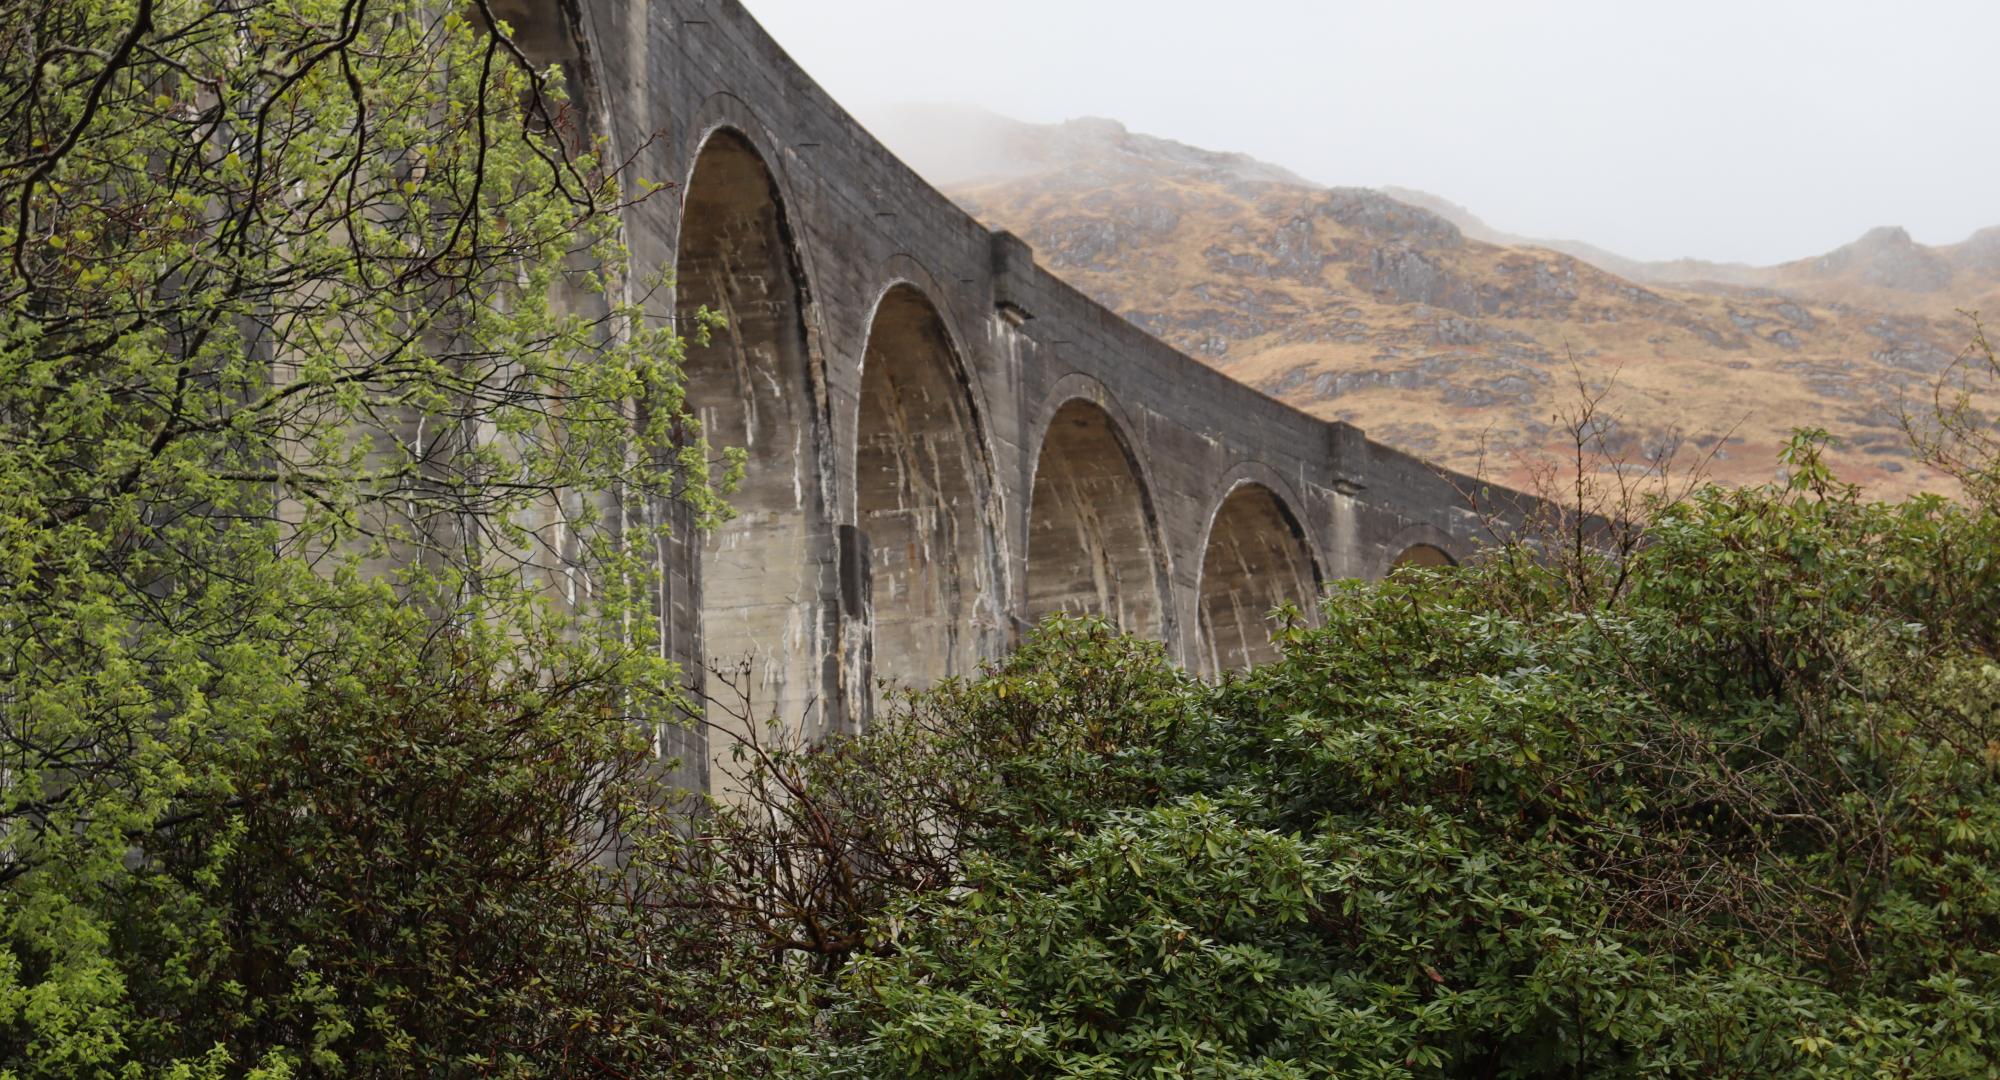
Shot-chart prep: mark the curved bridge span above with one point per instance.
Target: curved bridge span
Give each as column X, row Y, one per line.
column 945, row 441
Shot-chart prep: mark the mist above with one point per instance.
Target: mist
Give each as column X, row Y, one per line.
column 1716, row 130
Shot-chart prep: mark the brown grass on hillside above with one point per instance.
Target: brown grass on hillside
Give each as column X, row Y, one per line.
column 1352, row 305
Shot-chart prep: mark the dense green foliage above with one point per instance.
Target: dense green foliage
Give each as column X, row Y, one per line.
column 319, row 462
column 411, row 881
column 1742, row 819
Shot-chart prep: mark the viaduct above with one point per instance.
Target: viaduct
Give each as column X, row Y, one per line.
column 945, row 442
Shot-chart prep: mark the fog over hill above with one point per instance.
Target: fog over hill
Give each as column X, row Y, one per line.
column 959, row 146
column 1408, row 315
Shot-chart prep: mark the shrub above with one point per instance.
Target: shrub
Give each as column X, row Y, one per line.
column 1742, row 820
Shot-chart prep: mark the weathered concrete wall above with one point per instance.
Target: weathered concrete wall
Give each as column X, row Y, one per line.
column 945, row 440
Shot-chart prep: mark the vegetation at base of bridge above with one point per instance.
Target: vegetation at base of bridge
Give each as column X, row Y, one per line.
column 1738, row 817
column 1724, row 802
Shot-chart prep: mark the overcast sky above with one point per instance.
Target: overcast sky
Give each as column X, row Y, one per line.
column 1755, row 130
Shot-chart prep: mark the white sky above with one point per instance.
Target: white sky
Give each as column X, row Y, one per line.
column 1754, row 130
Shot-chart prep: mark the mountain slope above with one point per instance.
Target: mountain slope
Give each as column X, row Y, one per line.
column 1357, row 305
column 1884, row 269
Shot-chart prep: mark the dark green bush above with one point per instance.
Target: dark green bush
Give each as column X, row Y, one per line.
column 420, row 875
column 1742, row 819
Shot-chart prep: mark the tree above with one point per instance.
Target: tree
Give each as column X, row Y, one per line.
column 320, row 377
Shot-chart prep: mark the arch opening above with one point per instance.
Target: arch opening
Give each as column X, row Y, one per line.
column 761, row 577
column 1422, row 555
column 918, row 498
column 1256, row 560
column 1091, row 546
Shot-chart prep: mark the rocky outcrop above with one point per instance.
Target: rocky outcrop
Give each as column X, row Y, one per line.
column 1378, row 217
column 1407, row 275
column 1887, row 258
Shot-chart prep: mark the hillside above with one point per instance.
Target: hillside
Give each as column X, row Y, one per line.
column 1883, row 269
column 1448, row 339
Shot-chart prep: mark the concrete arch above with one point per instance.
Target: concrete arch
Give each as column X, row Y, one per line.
column 902, row 273
column 921, row 482
column 765, row 617
column 1079, row 386
column 1263, row 475
column 1094, row 544
column 1256, row 556
column 723, row 113
column 1420, row 545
